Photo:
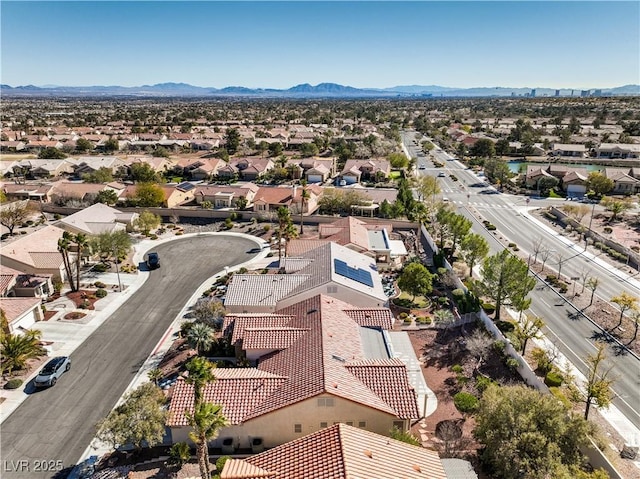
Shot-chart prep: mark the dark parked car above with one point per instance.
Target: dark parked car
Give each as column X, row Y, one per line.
column 50, row 373
column 153, row 260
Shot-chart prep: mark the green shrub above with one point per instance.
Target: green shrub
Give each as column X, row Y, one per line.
column 505, row 326
column 100, row 268
column 403, row 316
column 424, row 320
column 242, row 270
column 442, row 271
column 489, row 308
column 456, row 368
column 56, row 216
column 553, row 379
column 220, row 463
column 101, row 293
column 179, row 233
column 13, row 383
column 512, row 363
column 84, row 305
column 542, row 359
column 608, row 229
column 465, row 402
column 483, row 382
column 559, row 395
column 153, row 237
column 512, row 245
column 99, row 284
column 491, row 227
column 266, row 228
column 458, row 294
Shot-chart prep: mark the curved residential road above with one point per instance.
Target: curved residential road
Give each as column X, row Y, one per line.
column 57, row 424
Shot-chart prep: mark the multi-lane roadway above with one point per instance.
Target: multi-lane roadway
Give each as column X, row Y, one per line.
column 573, row 334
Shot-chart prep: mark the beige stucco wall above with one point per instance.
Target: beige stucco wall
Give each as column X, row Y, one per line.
column 343, row 293
column 25, row 268
column 278, row 427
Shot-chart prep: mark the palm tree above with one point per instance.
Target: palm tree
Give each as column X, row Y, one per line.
column 206, row 421
column 304, row 199
column 64, row 244
column 284, row 222
column 81, row 242
column 200, row 337
column 200, row 374
column 17, row 349
column 155, row 375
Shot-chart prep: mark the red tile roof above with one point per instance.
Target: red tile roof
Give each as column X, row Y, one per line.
column 340, row 452
column 323, row 353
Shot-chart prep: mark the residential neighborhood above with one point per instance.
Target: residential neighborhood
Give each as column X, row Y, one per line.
column 325, row 290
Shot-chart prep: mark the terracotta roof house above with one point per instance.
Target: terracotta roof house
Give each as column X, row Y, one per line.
column 355, row 171
column 21, row 313
column 339, row 451
column 14, row 283
column 36, row 253
column 31, row 191
column 623, row 182
column 96, row 219
column 203, row 168
column 314, row 170
column 37, row 145
column 250, row 169
column 75, row 190
column 315, row 365
column 329, row 269
column 12, row 145
column 157, row 164
column 370, row 239
column 618, row 150
column 270, row 198
column 226, row 196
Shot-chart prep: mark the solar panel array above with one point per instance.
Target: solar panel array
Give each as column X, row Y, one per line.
column 360, row 275
column 185, row 186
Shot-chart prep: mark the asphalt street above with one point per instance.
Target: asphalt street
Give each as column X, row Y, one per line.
column 573, row 334
column 53, row 427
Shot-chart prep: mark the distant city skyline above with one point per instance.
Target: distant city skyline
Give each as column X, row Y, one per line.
column 359, row 44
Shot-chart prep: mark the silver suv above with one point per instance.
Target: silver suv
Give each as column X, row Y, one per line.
column 50, row 373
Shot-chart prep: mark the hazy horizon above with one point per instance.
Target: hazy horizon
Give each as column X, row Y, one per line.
column 564, row 45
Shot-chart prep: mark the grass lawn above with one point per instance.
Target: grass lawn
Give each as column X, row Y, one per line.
column 395, row 175
column 419, row 303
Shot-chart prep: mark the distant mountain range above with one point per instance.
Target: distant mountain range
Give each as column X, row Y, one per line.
column 305, row 90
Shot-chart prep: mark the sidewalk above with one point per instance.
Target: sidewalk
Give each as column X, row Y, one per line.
column 67, row 335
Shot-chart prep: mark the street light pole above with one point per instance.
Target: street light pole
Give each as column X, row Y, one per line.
column 586, row 237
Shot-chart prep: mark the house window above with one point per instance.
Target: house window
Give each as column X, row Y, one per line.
column 398, row 425
column 325, row 402
column 362, row 424
column 323, row 425
column 349, row 423
column 297, row 428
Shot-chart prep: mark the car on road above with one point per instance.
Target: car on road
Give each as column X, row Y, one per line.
column 52, row 371
column 153, row 260
column 441, row 175
column 421, row 167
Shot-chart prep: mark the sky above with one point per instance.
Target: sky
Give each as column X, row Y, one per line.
column 574, row 44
